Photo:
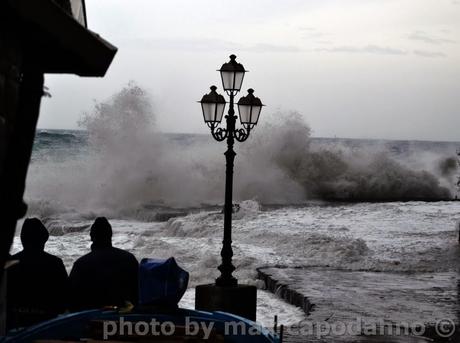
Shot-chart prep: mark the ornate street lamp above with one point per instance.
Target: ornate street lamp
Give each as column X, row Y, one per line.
column 249, row 108
column 213, row 106
column 232, row 74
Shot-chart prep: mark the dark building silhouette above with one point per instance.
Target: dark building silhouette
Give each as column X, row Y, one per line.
column 107, row 276
column 37, row 285
column 36, row 38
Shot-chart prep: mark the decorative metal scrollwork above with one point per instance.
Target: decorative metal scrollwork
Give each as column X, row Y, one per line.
column 241, row 134
column 219, row 133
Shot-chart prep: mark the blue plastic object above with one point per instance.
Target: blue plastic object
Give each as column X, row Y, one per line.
column 161, row 282
column 78, row 326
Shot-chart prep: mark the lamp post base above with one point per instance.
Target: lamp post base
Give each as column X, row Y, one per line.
column 227, row 282
column 240, row 300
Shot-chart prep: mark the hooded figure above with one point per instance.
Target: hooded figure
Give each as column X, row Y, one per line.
column 37, row 284
column 107, row 276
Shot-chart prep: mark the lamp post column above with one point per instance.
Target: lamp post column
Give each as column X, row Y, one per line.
column 226, row 294
column 226, row 279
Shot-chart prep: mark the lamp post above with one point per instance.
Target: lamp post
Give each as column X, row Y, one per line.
column 249, row 108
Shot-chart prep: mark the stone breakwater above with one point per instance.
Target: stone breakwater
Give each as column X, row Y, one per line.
column 283, row 290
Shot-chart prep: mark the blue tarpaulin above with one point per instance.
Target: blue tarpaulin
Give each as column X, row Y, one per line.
column 161, row 282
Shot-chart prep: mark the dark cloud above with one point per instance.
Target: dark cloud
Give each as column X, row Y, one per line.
column 426, row 38
column 368, row 49
column 430, row 54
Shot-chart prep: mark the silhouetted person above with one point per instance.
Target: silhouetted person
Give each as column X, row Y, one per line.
column 106, row 276
column 37, row 285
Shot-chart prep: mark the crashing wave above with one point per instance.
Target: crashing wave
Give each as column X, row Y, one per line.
column 128, row 163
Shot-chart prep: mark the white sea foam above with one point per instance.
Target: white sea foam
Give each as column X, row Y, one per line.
column 390, row 237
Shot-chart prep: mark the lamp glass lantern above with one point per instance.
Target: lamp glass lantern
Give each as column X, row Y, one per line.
column 232, row 74
column 213, row 106
column 249, row 108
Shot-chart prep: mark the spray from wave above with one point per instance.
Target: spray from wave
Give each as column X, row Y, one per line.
column 346, row 174
column 128, row 164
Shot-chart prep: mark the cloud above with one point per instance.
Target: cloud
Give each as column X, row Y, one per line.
column 368, row 49
column 312, row 33
column 262, row 47
column 201, row 44
column 191, row 44
column 326, row 42
column 426, row 38
column 430, row 54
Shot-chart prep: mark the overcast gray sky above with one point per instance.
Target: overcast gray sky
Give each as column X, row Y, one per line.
column 353, row 68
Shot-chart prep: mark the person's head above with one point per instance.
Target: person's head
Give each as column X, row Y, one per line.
column 34, row 234
column 101, row 232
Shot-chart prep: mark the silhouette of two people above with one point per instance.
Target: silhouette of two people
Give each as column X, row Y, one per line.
column 37, row 284
column 107, row 276
column 39, row 289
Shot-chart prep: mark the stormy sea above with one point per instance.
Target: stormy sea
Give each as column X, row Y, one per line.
column 338, row 228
